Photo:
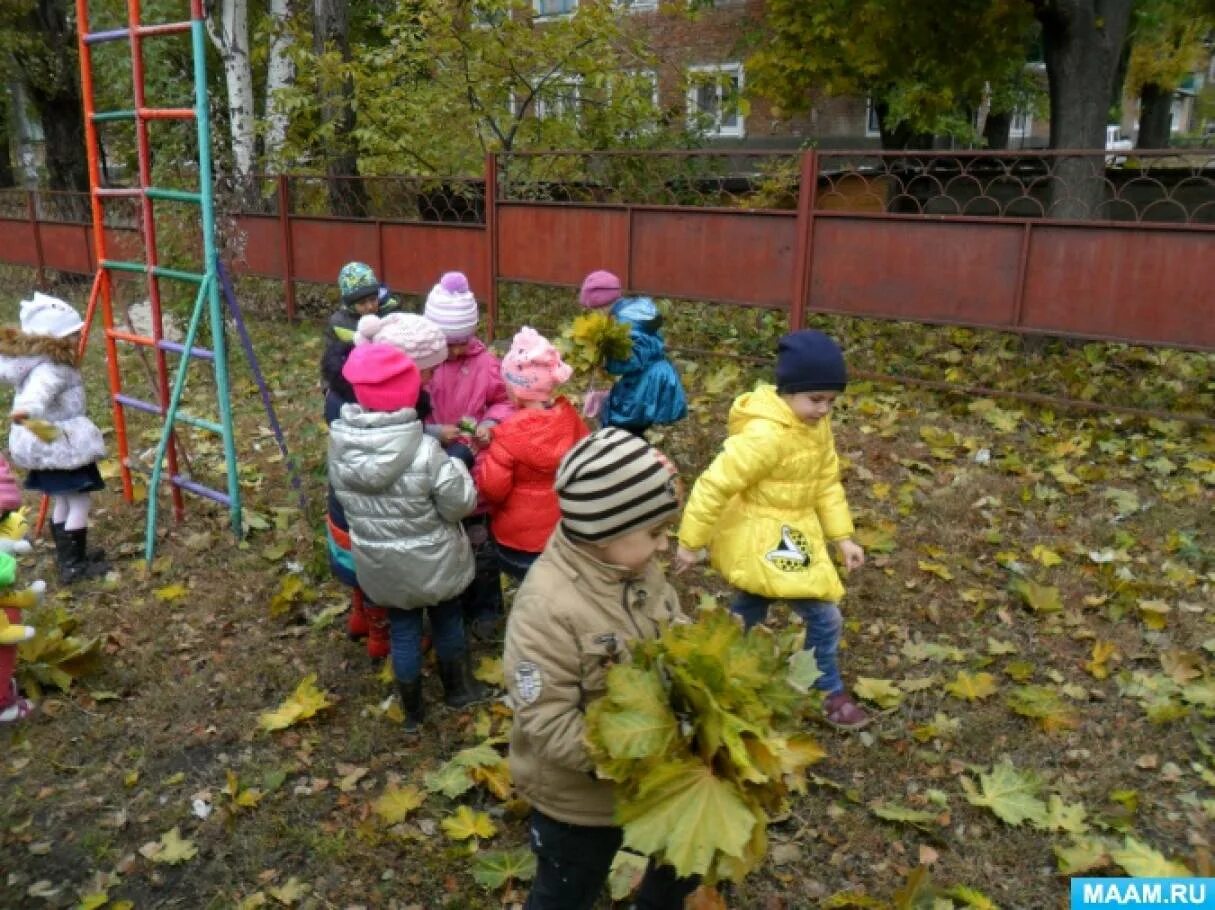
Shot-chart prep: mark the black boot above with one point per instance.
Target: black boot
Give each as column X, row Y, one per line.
column 459, row 688
column 59, row 533
column 411, row 704
column 78, row 546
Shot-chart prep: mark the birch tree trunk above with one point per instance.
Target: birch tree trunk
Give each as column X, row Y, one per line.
column 228, row 26
column 280, row 74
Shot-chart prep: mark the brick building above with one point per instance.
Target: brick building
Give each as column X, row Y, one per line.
column 701, row 68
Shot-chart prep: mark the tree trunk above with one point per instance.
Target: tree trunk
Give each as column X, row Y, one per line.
column 7, row 178
column 1082, row 40
column 347, row 195
column 53, row 83
column 899, row 135
column 1155, row 117
column 229, row 33
column 996, row 129
column 280, row 74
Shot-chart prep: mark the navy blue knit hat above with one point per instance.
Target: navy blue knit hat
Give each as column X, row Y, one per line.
column 809, row 361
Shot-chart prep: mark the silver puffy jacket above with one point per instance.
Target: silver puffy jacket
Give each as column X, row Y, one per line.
column 404, row 498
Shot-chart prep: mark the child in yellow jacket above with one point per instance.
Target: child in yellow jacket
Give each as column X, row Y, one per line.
column 771, row 502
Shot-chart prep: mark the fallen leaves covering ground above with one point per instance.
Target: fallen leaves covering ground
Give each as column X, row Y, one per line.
column 1036, row 625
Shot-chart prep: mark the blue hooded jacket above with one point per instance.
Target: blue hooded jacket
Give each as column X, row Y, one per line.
column 649, row 390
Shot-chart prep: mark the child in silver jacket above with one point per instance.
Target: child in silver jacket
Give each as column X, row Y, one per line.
column 404, row 499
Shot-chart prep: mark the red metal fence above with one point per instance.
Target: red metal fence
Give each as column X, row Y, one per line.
column 974, row 238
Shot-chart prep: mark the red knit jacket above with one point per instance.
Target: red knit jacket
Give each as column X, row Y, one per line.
column 516, row 475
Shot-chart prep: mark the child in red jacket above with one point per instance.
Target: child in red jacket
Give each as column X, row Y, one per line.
column 517, row 473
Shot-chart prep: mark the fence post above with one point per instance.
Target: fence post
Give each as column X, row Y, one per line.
column 803, row 261
column 31, row 209
column 284, row 226
column 491, row 243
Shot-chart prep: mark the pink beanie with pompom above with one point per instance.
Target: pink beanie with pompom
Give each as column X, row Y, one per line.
column 599, row 289
column 452, row 307
column 533, row 368
column 415, row 336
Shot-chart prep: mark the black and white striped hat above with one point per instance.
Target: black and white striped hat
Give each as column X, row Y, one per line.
column 612, row 483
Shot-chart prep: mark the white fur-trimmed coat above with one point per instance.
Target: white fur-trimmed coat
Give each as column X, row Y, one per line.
column 48, row 387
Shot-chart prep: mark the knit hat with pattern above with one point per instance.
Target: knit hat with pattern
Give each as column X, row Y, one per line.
column 415, row 336
column 533, row 368
column 453, row 308
column 612, row 483
column 357, row 281
column 599, row 289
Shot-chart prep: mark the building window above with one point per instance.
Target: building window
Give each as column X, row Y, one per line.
column 554, row 7
column 873, row 127
column 558, row 97
column 638, row 6
column 714, row 94
column 1022, row 125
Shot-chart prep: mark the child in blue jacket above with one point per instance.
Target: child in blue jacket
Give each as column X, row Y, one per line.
column 648, row 391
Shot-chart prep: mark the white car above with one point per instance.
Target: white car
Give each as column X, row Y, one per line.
column 1116, row 142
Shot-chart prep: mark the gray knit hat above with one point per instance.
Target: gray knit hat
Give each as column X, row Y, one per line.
column 612, row 483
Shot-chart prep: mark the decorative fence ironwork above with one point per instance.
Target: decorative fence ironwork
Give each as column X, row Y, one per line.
column 1093, row 244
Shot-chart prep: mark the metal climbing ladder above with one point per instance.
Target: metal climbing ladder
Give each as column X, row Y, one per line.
column 207, row 306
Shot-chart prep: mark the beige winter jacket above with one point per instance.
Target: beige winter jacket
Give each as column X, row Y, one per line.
column 573, row 618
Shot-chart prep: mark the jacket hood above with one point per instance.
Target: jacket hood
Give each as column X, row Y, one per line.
column 57, row 350
column 539, row 438
column 762, row 404
column 475, row 348
column 374, row 448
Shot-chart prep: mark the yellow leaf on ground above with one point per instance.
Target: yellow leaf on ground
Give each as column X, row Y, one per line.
column 1154, row 613
column 396, row 803
column 174, row 849
column 466, row 823
column 489, row 670
column 935, row 568
column 1140, row 860
column 303, row 703
column 972, row 686
column 1098, row 664
column 171, row 592
column 1046, row 556
column 882, row 692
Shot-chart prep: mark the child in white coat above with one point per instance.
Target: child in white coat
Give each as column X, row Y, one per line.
column 52, row 438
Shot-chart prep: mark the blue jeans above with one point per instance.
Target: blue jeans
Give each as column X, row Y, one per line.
column 823, row 624
column 515, row 563
column 405, row 631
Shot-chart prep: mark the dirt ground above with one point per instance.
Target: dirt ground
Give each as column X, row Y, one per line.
column 1038, row 592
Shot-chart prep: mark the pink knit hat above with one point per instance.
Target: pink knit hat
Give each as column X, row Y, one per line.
column 599, row 289
column 533, row 368
column 383, row 378
column 415, row 336
column 453, row 308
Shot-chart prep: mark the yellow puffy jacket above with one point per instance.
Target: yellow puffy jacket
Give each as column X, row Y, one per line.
column 770, row 502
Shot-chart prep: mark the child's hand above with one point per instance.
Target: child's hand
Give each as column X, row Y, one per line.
column 852, row 553
column 686, row 559
column 448, row 433
column 484, row 435
column 19, row 416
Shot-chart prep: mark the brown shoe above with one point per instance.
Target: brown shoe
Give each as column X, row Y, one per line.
column 843, row 713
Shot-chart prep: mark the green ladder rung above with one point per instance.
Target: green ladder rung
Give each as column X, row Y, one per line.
column 110, row 116
column 173, row 195
column 159, row 271
column 200, row 423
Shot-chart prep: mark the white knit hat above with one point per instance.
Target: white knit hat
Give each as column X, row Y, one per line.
column 415, row 336
column 452, row 307
column 46, row 315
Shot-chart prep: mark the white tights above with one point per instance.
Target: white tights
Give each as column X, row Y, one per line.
column 72, row 511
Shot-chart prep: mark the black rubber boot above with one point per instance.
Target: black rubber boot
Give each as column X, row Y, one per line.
column 59, row 533
column 78, row 546
column 459, row 688
column 411, row 704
